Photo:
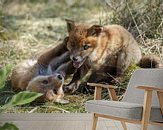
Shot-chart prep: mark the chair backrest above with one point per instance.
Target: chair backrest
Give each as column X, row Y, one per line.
column 146, row 77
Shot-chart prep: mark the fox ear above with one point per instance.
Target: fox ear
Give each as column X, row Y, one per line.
column 94, row 30
column 70, row 24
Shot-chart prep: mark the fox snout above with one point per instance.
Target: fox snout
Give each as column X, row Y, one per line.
column 76, row 58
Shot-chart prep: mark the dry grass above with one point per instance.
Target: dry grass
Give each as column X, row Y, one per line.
column 143, row 19
column 28, row 27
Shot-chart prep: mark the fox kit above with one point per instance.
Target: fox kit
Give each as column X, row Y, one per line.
column 57, row 59
column 108, row 46
column 23, row 78
column 151, row 61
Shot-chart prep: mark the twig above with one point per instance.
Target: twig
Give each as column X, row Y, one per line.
column 160, row 25
column 135, row 23
column 7, row 92
column 150, row 48
column 109, row 6
column 113, row 78
column 120, row 97
column 159, row 51
column 31, row 111
column 57, row 108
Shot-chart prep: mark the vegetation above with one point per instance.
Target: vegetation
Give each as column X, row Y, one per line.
column 8, row 126
column 28, row 27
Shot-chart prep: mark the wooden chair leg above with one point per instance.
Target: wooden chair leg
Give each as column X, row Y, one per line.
column 160, row 98
column 112, row 94
column 124, row 125
column 97, row 94
column 94, row 122
column 146, row 109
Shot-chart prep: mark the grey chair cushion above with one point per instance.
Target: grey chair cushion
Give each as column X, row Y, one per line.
column 125, row 110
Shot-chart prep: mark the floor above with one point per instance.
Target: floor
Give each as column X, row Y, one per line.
column 36, row 121
column 57, row 122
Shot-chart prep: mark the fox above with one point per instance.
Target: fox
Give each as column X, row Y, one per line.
column 150, row 61
column 110, row 45
column 57, row 59
column 108, row 48
column 23, row 78
column 46, row 74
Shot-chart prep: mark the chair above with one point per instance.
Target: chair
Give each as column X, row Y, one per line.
column 142, row 102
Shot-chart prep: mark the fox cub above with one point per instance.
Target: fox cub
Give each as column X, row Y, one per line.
column 45, row 75
column 58, row 59
column 24, row 78
column 107, row 48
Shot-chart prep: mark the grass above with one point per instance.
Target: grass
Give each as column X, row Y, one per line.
column 76, row 105
column 29, row 27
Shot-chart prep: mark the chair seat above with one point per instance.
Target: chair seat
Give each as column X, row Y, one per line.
column 125, row 110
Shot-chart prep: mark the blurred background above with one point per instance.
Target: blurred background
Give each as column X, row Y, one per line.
column 28, row 27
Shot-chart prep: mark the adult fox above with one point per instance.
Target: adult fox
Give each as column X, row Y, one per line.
column 108, row 48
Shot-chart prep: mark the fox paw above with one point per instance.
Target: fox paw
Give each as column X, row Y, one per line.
column 70, row 88
column 62, row 101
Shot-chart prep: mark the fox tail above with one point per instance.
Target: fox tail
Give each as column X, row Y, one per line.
column 151, row 61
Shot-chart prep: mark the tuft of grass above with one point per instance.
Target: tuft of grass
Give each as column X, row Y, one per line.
column 76, row 105
column 121, row 83
column 143, row 19
column 125, row 79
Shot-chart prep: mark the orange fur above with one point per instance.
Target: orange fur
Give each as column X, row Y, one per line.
column 112, row 42
column 23, row 78
column 110, row 49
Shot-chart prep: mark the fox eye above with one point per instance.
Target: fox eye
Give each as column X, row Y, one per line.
column 85, row 47
column 72, row 44
column 45, row 82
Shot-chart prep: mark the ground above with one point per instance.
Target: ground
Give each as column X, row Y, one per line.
column 28, row 27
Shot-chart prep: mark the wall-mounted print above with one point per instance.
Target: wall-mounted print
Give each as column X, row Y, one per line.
column 71, row 64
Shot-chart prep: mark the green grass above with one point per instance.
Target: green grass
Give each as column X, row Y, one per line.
column 76, row 104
